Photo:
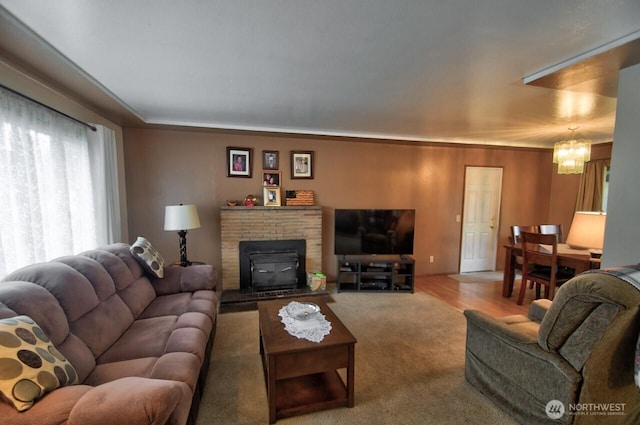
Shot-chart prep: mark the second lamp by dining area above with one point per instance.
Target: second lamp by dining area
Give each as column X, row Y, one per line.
column 587, row 232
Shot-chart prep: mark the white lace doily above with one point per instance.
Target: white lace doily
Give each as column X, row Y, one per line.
column 313, row 328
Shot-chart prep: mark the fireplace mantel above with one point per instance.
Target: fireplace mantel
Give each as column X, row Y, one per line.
column 262, row 208
column 261, row 223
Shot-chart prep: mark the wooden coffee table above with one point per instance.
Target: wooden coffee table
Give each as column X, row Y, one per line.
column 302, row 376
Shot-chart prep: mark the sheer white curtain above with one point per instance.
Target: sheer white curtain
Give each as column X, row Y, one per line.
column 46, row 185
column 104, row 172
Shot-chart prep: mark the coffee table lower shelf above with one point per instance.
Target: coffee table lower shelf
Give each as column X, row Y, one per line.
column 310, row 393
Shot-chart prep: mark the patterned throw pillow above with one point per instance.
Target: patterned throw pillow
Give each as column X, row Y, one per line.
column 148, row 257
column 30, row 365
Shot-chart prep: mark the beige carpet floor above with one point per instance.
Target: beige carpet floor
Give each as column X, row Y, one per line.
column 409, row 367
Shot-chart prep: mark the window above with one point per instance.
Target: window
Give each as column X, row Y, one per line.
column 605, row 188
column 45, row 185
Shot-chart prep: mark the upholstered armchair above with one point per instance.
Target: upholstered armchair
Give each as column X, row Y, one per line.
column 578, row 349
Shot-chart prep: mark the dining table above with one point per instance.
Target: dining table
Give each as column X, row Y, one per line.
column 579, row 260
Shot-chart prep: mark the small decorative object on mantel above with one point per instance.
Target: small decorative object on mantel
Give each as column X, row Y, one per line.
column 299, row 198
column 250, row 201
column 232, row 203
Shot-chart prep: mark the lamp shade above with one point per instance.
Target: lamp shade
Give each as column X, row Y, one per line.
column 181, row 217
column 587, row 230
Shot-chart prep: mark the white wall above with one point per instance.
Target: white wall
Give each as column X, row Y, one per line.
column 622, row 235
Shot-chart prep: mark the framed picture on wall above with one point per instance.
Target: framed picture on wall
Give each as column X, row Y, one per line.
column 269, row 160
column 271, row 178
column 301, row 164
column 271, row 196
column 239, row 162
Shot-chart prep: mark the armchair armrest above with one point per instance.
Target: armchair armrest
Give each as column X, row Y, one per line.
column 538, row 309
column 185, row 279
column 520, row 344
column 499, row 329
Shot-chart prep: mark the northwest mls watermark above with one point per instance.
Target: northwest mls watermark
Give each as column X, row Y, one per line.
column 556, row 409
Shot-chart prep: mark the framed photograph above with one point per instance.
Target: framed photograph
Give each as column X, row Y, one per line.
column 239, row 162
column 269, row 160
column 301, row 164
column 271, row 178
column 271, row 196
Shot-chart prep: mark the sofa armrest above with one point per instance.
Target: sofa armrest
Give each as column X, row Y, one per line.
column 130, row 400
column 52, row 409
column 185, row 279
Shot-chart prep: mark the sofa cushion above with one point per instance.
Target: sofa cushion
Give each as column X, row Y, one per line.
column 30, row 365
column 144, row 338
column 96, row 275
column 104, row 325
column 72, row 290
column 148, row 257
column 123, row 271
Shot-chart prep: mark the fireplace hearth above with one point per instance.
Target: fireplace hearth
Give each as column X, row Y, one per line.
column 272, row 265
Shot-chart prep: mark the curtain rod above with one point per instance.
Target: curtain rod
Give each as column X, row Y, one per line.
column 93, row 128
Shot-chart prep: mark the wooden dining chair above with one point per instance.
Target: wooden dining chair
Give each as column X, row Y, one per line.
column 540, row 264
column 550, row 229
column 517, row 230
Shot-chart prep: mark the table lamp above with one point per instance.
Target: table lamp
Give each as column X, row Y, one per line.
column 587, row 232
column 181, row 218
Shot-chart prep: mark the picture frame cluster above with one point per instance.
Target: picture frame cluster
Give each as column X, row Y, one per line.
column 240, row 164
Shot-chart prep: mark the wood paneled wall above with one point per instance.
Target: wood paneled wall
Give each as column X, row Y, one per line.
column 165, row 167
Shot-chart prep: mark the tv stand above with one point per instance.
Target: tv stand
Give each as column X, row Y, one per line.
column 376, row 273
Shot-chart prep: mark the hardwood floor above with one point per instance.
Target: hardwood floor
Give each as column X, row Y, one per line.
column 485, row 296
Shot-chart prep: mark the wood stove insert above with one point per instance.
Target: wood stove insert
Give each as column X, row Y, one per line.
column 272, row 265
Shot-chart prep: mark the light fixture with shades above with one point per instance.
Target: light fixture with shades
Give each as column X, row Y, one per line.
column 587, row 232
column 570, row 155
column 181, row 218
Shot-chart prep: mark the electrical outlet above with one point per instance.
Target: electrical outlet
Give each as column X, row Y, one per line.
column 431, row 259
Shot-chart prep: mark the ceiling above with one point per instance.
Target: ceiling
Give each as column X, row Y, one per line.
column 492, row 72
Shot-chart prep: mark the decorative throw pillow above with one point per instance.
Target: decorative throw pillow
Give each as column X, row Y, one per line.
column 29, row 363
column 148, row 257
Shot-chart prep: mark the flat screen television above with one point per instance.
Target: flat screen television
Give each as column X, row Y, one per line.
column 379, row 231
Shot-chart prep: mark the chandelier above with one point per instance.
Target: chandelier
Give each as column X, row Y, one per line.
column 570, row 155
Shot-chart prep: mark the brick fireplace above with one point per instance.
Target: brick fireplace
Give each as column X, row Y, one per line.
column 268, row 224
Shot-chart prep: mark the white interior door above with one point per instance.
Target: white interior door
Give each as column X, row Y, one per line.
column 482, row 189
